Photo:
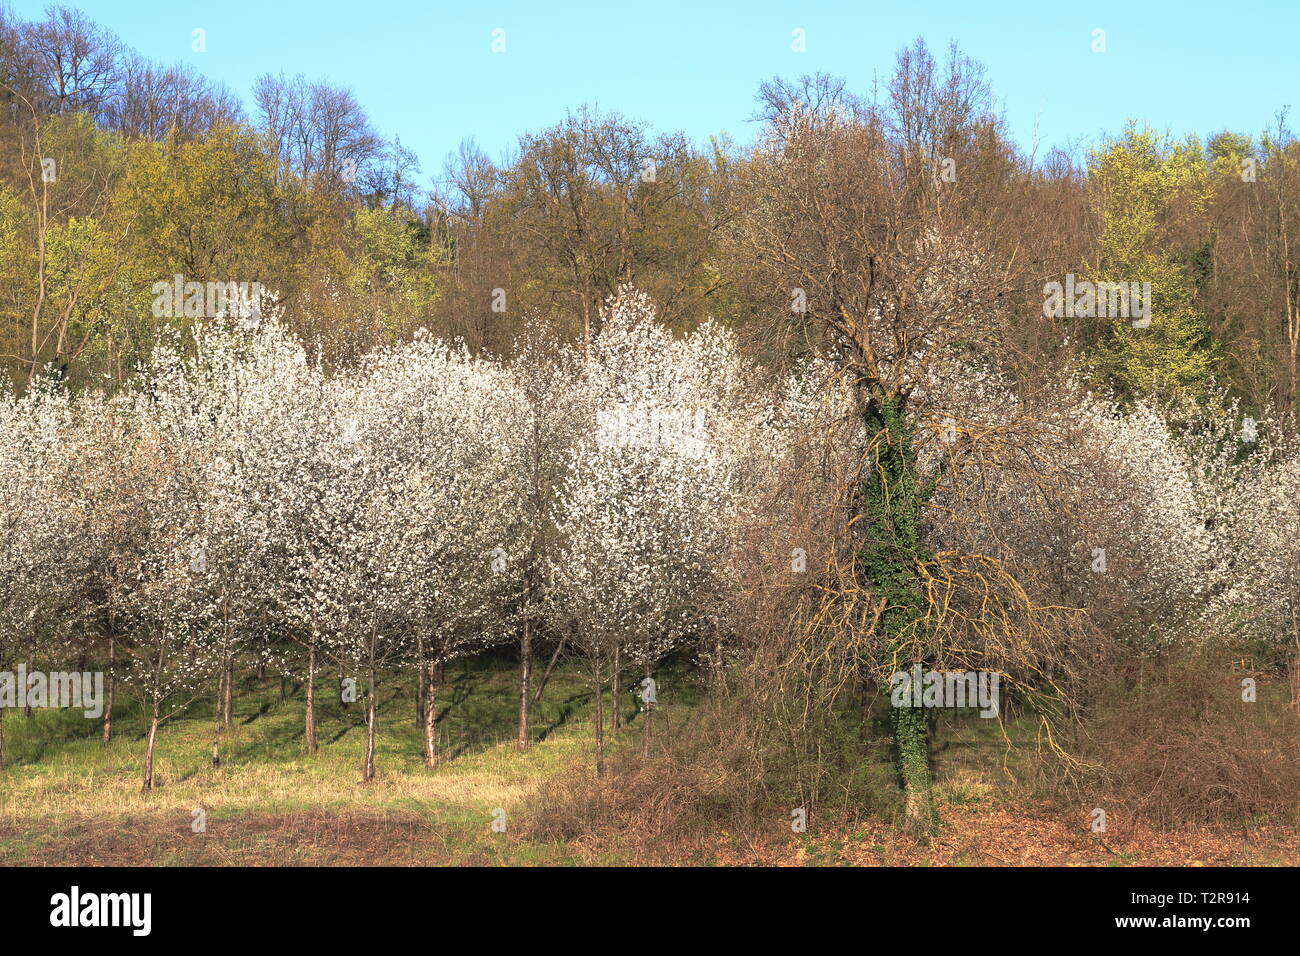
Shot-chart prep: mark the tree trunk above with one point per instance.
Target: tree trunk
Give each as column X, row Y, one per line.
column 421, row 681
column 1293, row 336
column 368, row 774
column 541, row 685
column 525, row 673
column 311, row 699
column 911, row 733
column 892, row 549
column 27, row 690
column 616, row 719
column 228, row 697
column 430, row 717
column 648, row 707
column 586, row 318
column 1295, row 659
column 148, row 750
column 217, row 724
column 599, row 715
column 2, row 737
column 108, row 688
column 221, row 692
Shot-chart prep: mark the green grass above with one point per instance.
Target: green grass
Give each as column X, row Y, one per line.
column 66, row 798
column 62, row 784
column 270, row 802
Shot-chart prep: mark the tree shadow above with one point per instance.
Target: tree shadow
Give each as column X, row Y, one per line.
column 566, row 711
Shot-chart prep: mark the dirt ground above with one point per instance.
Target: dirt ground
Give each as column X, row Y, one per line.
column 1002, row 835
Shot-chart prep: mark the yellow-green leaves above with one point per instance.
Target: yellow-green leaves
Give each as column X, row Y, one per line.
column 1142, row 184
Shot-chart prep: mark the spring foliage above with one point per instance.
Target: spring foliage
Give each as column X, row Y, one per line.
column 239, row 502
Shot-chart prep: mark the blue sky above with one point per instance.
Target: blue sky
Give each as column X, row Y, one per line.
column 425, row 71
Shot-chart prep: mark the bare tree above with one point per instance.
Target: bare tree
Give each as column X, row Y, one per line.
column 151, row 102
column 75, row 60
column 879, row 224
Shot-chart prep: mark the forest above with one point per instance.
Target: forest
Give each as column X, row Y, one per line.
column 877, row 492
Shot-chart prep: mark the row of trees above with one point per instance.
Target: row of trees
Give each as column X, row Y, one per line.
column 961, row 481
column 237, row 505
column 240, row 507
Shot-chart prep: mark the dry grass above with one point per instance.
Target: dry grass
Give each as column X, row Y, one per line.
column 1174, row 744
column 717, row 786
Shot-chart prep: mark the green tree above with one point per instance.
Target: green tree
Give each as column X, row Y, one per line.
column 1140, row 184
